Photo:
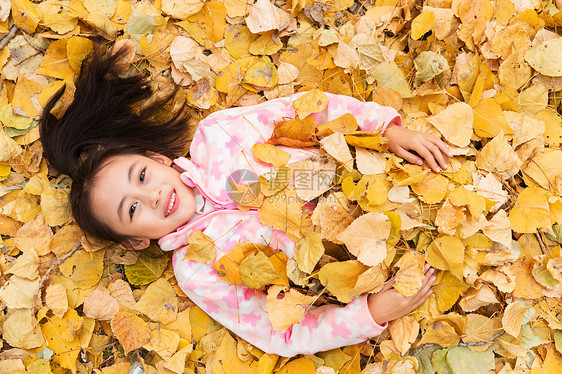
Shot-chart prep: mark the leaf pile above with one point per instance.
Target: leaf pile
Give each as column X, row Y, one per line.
column 483, row 75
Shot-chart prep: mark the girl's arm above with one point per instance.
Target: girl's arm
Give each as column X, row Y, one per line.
column 243, row 311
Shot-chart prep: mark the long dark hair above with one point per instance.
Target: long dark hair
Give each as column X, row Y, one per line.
column 110, row 115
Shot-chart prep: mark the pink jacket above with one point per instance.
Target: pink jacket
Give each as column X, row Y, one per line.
column 221, row 145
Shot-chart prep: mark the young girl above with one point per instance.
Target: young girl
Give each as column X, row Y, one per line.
column 126, row 188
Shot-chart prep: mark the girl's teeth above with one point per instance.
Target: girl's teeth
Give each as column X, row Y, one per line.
column 172, row 200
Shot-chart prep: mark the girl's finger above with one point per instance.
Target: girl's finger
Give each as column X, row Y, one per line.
column 437, row 155
column 410, row 157
column 442, row 146
column 422, row 150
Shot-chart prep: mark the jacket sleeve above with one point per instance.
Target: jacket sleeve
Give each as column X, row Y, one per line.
column 243, row 311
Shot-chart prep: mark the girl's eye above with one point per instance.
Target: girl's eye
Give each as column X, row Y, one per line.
column 141, row 176
column 132, row 209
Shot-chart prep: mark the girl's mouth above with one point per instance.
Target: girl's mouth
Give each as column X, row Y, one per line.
column 173, row 204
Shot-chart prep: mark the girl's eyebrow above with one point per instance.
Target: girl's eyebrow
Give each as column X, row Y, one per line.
column 120, row 207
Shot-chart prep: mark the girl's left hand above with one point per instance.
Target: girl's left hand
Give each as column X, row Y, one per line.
column 430, row 147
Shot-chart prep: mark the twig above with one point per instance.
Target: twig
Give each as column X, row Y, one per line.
column 475, row 344
column 541, row 243
column 38, row 49
column 44, row 278
column 8, row 37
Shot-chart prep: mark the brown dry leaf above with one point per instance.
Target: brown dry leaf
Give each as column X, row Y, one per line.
column 19, row 292
column 498, row 156
column 121, row 291
column 409, row 277
column 336, row 146
column 295, row 128
column 159, row 302
column 365, row 238
column 287, row 311
column 131, row 331
column 478, row 297
column 34, row 236
column 332, row 216
column 515, row 315
column 26, row 265
column 100, row 305
column 313, row 176
column 56, row 299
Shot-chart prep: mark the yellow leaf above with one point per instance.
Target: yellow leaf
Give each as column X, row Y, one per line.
column 262, row 74
column 545, row 57
column 256, row 270
column 461, row 196
column 237, row 40
column 228, row 266
column 296, row 128
column 65, row 239
column 181, row 9
column 159, row 302
column 300, row 365
column 499, row 156
column 336, row 146
column 55, row 63
column 340, row 278
column 313, row 101
column 265, row 45
column 283, row 212
column 422, row 24
column 515, row 315
column 131, row 331
column 308, row 251
column 83, row 268
column 455, row 123
column 447, row 253
column 164, row 342
column 60, row 23
column 19, row 292
column 25, row 15
column 8, row 147
column 285, row 312
column 55, row 206
column 78, row 49
column 432, row 189
column 270, row 154
column 26, row 265
column 531, row 211
column 367, row 140
column 66, row 350
column 404, row 332
column 344, row 124
column 56, row 299
column 489, row 120
column 19, row 330
column 409, row 277
column 201, row 248
column 366, row 238
column 440, row 332
column 25, row 97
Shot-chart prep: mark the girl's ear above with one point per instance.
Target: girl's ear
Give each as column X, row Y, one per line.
column 160, row 158
column 135, row 244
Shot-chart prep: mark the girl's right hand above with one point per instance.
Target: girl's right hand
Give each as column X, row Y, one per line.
column 389, row 304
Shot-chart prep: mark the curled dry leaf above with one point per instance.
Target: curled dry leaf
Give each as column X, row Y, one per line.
column 131, row 331
column 100, row 305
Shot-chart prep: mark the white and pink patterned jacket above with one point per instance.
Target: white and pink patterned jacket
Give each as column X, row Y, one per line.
column 221, row 145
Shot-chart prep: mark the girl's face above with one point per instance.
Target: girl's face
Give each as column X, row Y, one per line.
column 141, row 197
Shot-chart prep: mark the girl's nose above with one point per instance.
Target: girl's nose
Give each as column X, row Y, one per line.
column 155, row 197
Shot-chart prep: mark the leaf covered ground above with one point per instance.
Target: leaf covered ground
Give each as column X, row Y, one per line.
column 483, row 75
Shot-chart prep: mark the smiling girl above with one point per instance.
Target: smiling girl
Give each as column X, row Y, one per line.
column 126, row 188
